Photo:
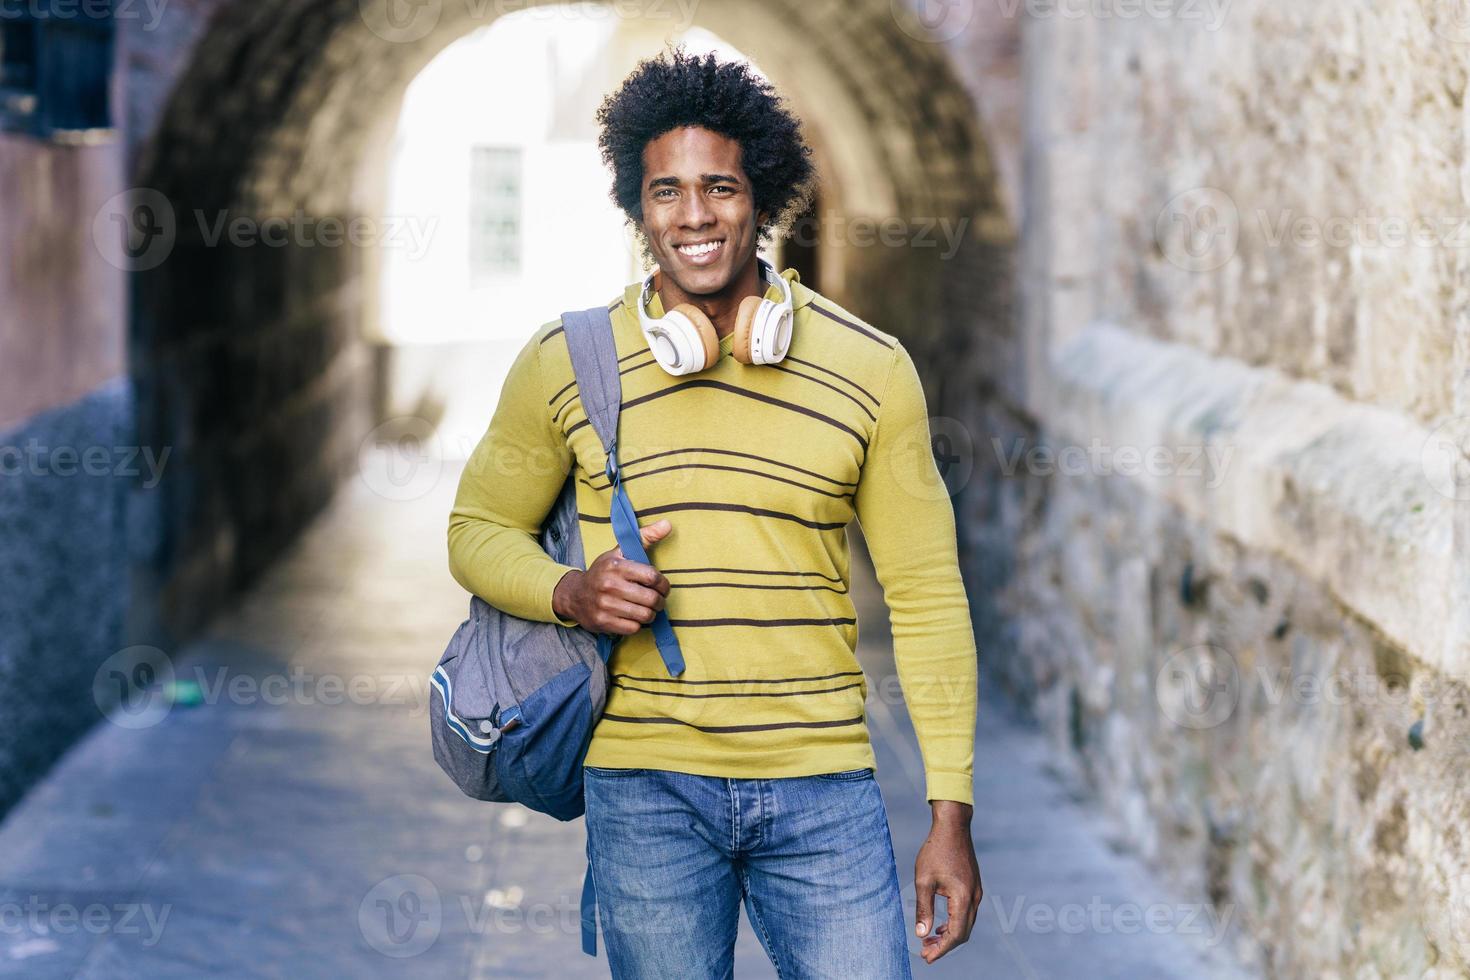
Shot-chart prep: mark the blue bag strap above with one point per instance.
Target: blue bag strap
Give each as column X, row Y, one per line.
column 589, row 909
column 599, row 386
column 625, row 527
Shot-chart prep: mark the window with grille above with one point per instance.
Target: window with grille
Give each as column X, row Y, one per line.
column 56, row 67
column 495, row 211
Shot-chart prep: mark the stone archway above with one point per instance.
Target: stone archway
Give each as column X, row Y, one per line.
column 249, row 361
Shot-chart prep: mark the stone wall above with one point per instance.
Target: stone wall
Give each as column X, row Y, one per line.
column 64, row 586
column 1234, row 486
column 67, row 448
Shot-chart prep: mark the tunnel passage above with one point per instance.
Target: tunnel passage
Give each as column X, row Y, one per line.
column 253, row 363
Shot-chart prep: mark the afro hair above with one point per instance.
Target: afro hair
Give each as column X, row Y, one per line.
column 680, row 89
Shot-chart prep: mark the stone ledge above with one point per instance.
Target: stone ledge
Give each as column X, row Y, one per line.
column 1340, row 489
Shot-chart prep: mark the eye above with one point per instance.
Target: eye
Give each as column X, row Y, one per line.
column 662, row 191
column 721, row 187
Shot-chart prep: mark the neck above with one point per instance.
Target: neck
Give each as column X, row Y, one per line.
column 721, row 307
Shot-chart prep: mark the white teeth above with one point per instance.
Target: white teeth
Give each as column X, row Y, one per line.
column 700, row 249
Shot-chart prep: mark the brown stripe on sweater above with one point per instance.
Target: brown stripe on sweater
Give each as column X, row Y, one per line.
column 792, row 358
column 743, row 393
column 741, row 680
column 819, row 381
column 733, row 452
column 738, row 694
column 629, row 477
column 731, row 729
column 735, row 508
column 736, row 621
column 748, row 571
column 751, row 585
column 851, row 326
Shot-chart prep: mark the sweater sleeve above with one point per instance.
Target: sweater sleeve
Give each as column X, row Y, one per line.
column 908, row 522
column 508, row 486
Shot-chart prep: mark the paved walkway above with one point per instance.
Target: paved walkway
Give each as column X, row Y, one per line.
column 294, row 824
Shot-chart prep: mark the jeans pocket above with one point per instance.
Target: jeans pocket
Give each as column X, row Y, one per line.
column 613, row 773
column 864, row 773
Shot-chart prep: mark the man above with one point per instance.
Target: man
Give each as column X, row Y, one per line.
column 750, row 775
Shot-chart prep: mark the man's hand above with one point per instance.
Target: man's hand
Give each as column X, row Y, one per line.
column 946, row 865
column 615, row 594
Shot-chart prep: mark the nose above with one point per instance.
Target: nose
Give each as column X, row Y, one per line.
column 696, row 212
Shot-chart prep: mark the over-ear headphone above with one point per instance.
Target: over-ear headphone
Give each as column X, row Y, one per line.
column 684, row 341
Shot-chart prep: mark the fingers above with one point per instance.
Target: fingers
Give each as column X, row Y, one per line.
column 923, row 905
column 656, row 531
column 622, row 603
column 650, row 535
column 631, row 592
column 638, row 574
column 961, row 909
column 640, row 595
column 636, row 611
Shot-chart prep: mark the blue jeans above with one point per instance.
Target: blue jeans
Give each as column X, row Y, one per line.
column 673, row 855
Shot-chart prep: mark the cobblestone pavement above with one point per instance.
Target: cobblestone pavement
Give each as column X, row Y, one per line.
column 294, row 823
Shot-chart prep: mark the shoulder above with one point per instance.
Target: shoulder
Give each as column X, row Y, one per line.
column 553, row 332
column 548, row 345
column 864, row 336
column 840, row 339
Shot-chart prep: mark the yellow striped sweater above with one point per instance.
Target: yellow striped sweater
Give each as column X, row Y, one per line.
column 760, row 468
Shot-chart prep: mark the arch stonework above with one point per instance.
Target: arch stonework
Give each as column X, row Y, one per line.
column 251, row 361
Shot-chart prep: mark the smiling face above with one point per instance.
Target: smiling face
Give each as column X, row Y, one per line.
column 699, row 212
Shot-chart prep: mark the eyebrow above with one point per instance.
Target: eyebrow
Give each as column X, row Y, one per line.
column 706, row 178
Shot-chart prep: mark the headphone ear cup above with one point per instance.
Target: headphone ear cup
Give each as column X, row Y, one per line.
column 744, row 320
column 704, row 329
